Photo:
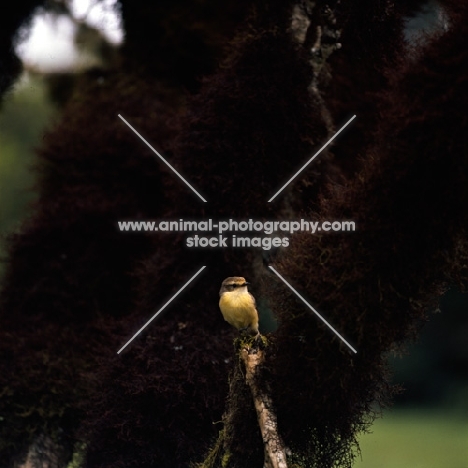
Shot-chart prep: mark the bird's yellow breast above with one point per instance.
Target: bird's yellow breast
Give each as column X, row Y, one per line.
column 238, row 309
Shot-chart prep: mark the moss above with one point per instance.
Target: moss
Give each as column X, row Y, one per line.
column 71, row 274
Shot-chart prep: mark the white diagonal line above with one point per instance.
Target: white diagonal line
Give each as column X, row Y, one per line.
column 162, row 159
column 161, row 309
column 311, row 308
column 312, row 158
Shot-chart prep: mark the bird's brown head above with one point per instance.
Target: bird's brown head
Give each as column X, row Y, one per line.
column 232, row 283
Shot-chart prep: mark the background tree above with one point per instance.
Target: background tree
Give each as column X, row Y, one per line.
column 76, row 287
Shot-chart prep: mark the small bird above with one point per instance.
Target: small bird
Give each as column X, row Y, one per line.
column 238, row 305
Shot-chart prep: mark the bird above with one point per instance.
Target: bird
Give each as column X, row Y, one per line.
column 238, row 306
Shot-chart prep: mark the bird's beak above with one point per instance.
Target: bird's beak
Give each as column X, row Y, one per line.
column 246, row 283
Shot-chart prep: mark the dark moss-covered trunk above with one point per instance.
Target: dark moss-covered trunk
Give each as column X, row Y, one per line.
column 237, row 106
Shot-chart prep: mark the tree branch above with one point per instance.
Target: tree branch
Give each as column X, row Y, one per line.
column 275, row 454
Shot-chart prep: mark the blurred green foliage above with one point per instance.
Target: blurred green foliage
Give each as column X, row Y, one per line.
column 415, row 439
column 24, row 113
column 429, row 426
column 433, row 371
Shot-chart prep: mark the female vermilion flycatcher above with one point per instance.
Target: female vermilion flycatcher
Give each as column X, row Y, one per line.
column 238, row 305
